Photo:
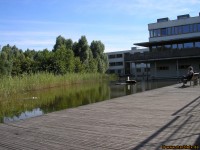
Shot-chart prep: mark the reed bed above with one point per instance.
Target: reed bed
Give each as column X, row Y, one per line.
column 38, row 81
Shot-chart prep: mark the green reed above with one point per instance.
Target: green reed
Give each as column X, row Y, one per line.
column 54, row 99
column 30, row 82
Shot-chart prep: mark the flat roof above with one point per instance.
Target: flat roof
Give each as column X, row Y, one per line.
column 173, row 41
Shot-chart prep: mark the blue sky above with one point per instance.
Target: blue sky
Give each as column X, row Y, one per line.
column 35, row 24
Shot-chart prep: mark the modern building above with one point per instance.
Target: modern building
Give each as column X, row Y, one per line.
column 118, row 65
column 173, row 46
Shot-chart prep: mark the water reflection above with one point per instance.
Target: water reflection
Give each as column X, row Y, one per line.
column 24, row 106
column 24, row 115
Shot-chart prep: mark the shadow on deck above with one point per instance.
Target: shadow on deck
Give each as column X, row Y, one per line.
column 183, row 130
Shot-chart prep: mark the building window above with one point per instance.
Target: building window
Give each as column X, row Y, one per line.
column 163, row 68
column 174, row 46
column 191, row 28
column 180, row 30
column 119, row 55
column 111, row 64
column 183, row 29
column 151, row 33
column 167, row 47
column 163, row 31
column 138, row 69
column 194, row 27
column 172, row 31
column 111, row 56
column 159, row 48
column 180, row 46
column 156, row 32
column 168, row 31
column 175, row 30
column 186, row 29
column 183, row 66
column 119, row 63
column 112, row 71
column 198, row 27
column 119, row 71
column 147, row 69
column 188, row 45
column 197, row 44
column 153, row 48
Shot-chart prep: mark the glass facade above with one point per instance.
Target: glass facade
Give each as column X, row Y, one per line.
column 175, row 30
column 183, row 29
column 195, row 28
column 116, row 64
column 186, row 29
column 180, row 46
column 111, row 56
column 198, row 27
column 188, row 45
column 197, row 44
column 119, row 55
column 169, row 31
column 119, row 64
column 167, row 47
column 111, row 64
column 164, row 31
column 175, row 46
column 163, row 68
column 183, row 67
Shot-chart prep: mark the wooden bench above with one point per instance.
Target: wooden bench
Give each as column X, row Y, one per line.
column 195, row 79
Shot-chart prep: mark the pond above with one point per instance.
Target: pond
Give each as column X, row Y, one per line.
column 31, row 104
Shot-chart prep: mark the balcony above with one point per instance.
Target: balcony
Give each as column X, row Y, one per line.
column 167, row 54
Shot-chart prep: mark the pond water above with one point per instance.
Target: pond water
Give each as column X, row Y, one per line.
column 31, row 104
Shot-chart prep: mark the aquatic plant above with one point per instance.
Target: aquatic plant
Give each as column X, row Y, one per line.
column 30, row 82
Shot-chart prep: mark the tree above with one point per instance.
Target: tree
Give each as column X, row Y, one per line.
column 78, row 68
column 75, row 49
column 6, row 60
column 61, row 41
column 97, row 48
column 83, row 49
column 44, row 60
column 64, row 59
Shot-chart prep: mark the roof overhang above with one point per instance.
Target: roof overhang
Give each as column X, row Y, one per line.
column 173, row 41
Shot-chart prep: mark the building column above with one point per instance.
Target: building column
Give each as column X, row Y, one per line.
column 147, row 72
column 135, row 71
column 155, row 71
column 177, row 69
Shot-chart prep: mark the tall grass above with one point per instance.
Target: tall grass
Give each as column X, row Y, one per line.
column 23, row 83
column 54, row 99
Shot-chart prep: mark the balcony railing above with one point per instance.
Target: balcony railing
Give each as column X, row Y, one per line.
column 168, row 54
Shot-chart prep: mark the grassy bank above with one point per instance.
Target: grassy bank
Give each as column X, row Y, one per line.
column 23, row 83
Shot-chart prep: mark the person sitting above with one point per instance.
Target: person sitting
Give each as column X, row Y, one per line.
column 189, row 75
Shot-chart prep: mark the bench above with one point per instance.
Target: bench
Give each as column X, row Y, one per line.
column 195, row 79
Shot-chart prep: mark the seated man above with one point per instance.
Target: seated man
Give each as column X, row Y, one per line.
column 189, row 75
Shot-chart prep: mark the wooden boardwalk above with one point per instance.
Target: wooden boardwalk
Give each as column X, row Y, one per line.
column 148, row 120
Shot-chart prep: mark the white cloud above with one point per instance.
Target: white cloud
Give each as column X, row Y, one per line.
column 27, row 33
column 31, row 44
column 34, row 42
column 145, row 8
